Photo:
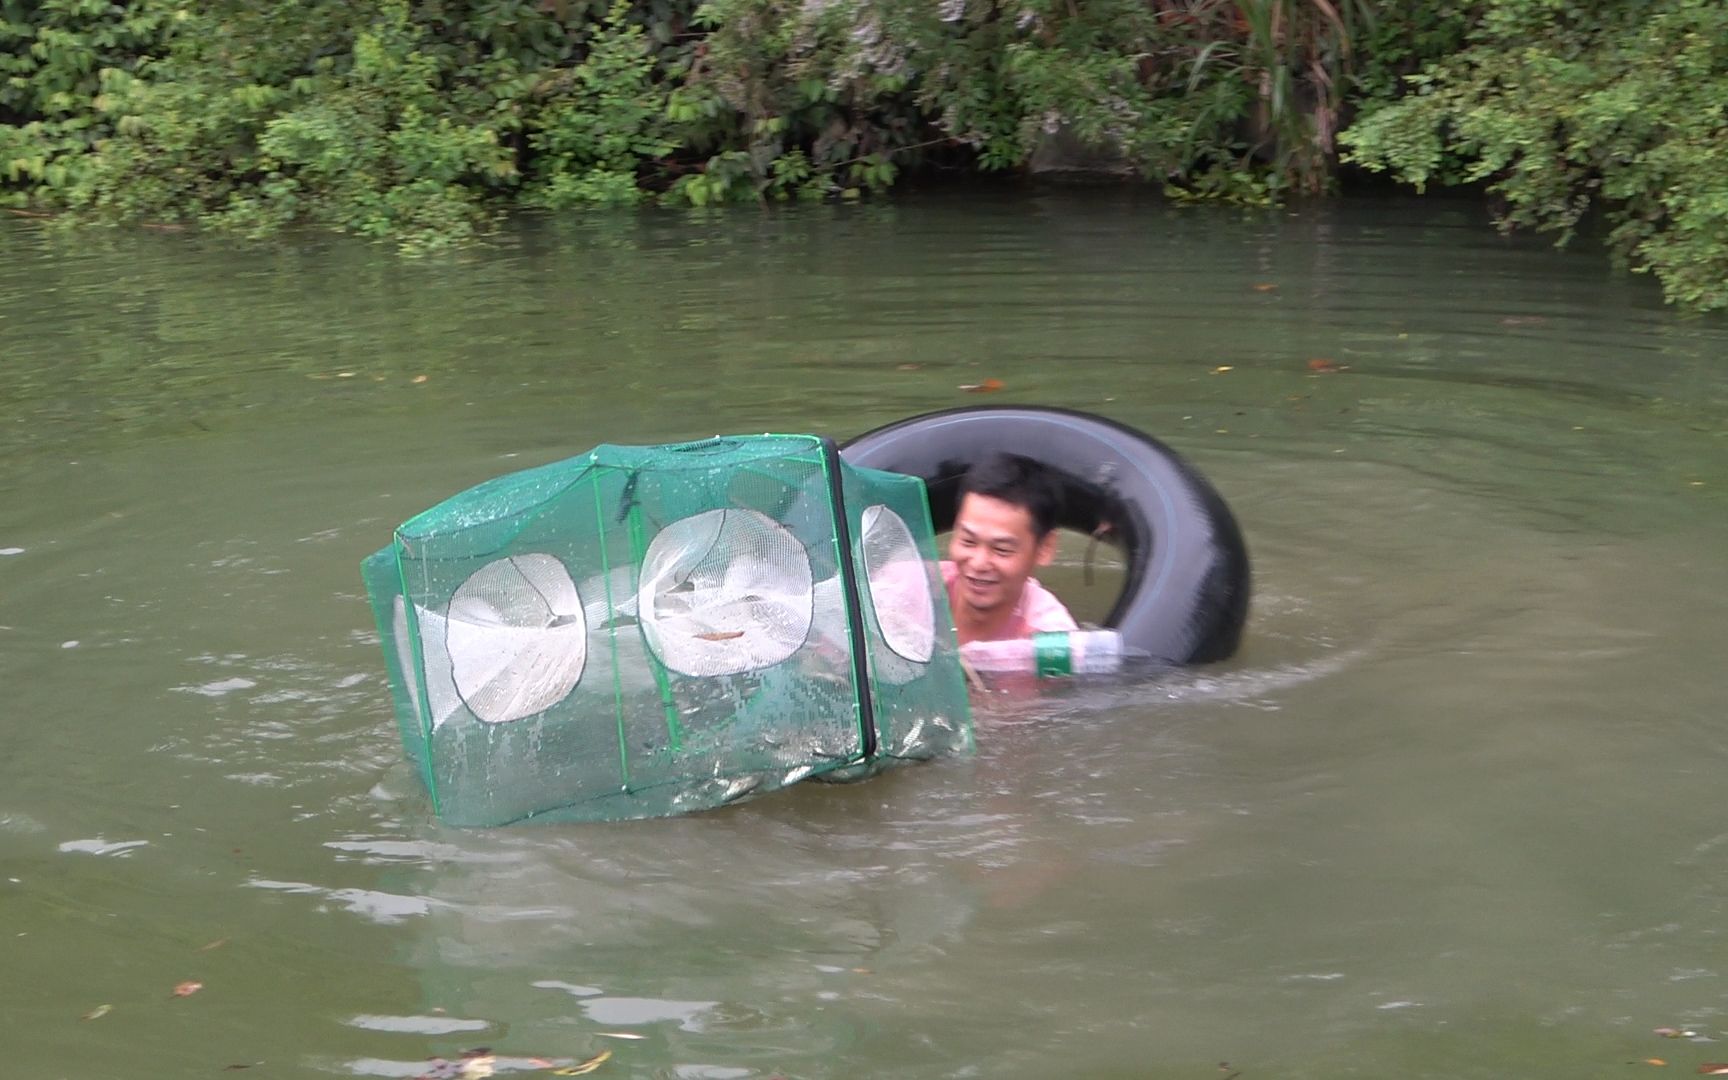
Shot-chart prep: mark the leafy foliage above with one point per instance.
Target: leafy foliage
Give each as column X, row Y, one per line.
column 608, row 118
column 61, row 62
column 419, row 120
column 1566, row 107
column 1209, row 97
column 389, row 119
column 416, row 119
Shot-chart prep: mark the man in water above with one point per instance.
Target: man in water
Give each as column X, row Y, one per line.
column 1004, row 529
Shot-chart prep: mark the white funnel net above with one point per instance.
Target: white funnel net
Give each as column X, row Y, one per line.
column 516, row 637
column 899, row 585
column 724, row 592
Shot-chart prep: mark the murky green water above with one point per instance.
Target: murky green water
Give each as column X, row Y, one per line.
column 1454, row 812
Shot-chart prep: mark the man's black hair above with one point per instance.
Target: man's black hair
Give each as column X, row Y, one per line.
column 1019, row 481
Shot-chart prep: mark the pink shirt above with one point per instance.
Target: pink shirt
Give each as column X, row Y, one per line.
column 1037, row 611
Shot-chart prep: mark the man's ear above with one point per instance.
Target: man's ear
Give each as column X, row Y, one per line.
column 1047, row 548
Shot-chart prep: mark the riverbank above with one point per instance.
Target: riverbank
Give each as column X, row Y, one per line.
column 420, row 124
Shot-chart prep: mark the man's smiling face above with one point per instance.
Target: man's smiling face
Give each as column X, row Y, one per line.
column 995, row 548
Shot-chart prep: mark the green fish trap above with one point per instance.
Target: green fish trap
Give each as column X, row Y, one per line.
column 643, row 631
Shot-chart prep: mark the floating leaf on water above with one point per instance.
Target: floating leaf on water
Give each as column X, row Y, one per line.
column 1265, row 286
column 1320, row 365
column 721, row 635
column 1654, row 1061
column 1222, row 368
column 908, row 367
column 187, row 989
column 988, row 386
column 585, row 1067
column 418, row 379
column 1713, row 1068
column 217, row 944
column 98, row 1012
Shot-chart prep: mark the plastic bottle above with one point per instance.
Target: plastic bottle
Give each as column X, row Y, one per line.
column 1052, row 654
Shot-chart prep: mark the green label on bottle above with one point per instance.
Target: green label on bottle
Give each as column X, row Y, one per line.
column 1050, row 654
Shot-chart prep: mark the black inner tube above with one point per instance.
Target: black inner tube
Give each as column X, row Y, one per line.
column 1185, row 597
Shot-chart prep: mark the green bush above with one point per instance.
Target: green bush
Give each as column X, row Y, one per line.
column 600, row 121
column 1565, row 108
column 412, row 122
column 1207, row 98
column 258, row 116
column 63, row 63
column 418, row 121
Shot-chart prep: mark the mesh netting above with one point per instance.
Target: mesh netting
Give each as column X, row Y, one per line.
column 650, row 630
column 917, row 692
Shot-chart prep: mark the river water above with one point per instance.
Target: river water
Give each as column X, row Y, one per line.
column 1454, row 811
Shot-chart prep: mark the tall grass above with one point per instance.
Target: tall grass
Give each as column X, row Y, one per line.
column 1297, row 56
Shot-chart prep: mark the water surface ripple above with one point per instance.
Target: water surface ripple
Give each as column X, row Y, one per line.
column 1449, row 814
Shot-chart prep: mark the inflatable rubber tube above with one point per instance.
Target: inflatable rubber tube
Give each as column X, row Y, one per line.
column 1186, row 595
